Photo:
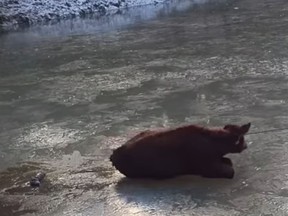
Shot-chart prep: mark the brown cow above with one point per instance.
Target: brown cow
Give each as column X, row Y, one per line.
column 186, row 150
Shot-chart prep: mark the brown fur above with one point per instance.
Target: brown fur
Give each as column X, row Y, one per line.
column 184, row 150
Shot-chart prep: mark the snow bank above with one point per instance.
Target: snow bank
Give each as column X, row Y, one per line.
column 22, row 13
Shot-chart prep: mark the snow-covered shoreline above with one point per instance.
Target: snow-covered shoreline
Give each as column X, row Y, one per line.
column 15, row 14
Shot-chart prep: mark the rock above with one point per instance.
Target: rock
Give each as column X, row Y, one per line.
column 37, row 3
column 2, row 19
column 96, row 5
column 23, row 20
column 36, row 181
column 115, row 4
column 102, row 10
column 13, row 2
column 82, row 13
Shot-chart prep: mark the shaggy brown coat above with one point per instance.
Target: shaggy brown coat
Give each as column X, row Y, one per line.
column 186, row 150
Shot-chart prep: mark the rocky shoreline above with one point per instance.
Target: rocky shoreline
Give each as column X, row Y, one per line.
column 15, row 14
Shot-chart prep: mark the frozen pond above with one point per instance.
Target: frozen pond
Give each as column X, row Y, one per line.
column 68, row 98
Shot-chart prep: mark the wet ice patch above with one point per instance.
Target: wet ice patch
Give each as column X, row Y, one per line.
column 75, row 65
column 81, row 88
column 72, row 160
column 47, row 135
column 114, row 142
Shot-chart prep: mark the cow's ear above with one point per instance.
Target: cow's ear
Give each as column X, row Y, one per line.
column 245, row 128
